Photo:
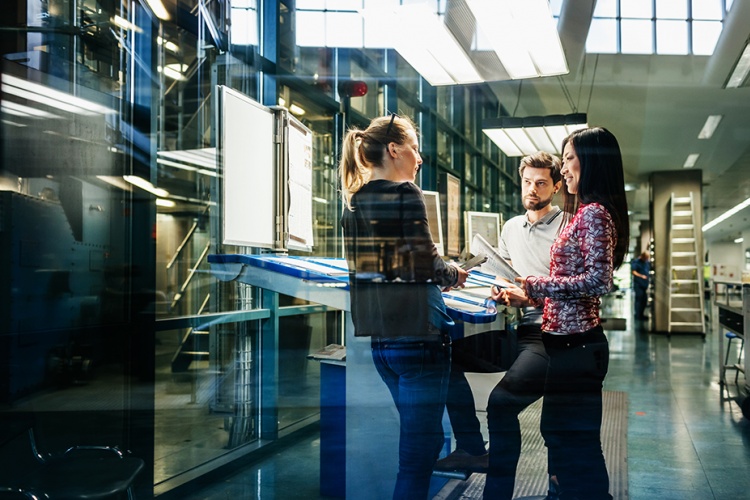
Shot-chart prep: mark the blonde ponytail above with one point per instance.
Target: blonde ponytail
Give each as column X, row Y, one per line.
column 352, row 172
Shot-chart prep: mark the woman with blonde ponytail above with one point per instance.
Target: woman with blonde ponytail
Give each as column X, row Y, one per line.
column 396, row 275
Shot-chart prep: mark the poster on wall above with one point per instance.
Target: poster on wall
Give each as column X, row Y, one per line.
column 453, row 214
column 299, row 146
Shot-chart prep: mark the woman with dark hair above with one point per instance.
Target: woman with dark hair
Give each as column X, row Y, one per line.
column 395, row 275
column 583, row 259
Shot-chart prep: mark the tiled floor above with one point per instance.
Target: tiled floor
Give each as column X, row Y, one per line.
column 684, row 442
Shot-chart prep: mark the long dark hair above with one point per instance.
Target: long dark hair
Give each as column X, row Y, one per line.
column 602, row 181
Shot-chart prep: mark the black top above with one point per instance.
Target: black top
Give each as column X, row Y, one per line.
column 394, row 265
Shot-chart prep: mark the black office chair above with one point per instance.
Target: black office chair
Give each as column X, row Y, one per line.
column 80, row 472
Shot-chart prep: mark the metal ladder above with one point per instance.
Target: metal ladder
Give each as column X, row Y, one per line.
column 686, row 309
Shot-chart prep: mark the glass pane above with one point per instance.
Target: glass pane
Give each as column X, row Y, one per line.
column 308, row 28
column 444, row 147
column 671, row 37
column 555, row 6
column 637, row 37
column 343, row 4
column 311, row 4
column 641, row 9
column 671, row 9
column 244, row 27
column 729, row 4
column 606, row 8
column 705, row 36
column 344, row 29
column 444, row 102
column 602, row 37
column 707, row 9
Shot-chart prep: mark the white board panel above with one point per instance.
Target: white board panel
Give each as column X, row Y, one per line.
column 248, row 159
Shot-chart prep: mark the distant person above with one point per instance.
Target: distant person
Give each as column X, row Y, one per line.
column 583, row 259
column 395, row 275
column 640, row 267
column 525, row 241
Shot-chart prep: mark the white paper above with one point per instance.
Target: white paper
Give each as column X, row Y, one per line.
column 496, row 264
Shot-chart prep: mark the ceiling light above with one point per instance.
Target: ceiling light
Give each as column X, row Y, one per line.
column 54, row 98
column 507, row 25
column 726, row 215
column 710, row 126
column 123, row 23
column 428, row 46
column 691, row 160
column 739, row 240
column 159, row 10
column 161, row 202
column 740, row 71
column 145, row 185
column 296, row 110
column 525, row 136
column 170, row 46
column 175, row 71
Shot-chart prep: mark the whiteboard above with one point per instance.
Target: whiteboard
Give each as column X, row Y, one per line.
column 248, row 161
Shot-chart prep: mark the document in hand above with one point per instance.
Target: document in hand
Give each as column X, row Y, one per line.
column 495, row 262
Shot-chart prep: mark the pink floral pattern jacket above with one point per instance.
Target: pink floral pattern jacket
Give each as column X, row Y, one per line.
column 581, row 269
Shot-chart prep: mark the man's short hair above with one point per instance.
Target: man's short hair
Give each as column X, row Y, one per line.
column 542, row 160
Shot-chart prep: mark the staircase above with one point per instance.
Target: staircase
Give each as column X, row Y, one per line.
column 686, row 278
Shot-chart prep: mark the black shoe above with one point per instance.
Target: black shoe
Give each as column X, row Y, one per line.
column 461, row 460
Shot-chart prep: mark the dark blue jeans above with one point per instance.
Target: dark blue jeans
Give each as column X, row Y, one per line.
column 572, row 412
column 417, row 374
column 521, row 385
column 640, row 302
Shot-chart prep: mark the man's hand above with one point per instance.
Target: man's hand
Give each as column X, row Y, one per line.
column 462, row 275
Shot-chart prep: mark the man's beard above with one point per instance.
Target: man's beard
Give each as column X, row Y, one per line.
column 536, row 205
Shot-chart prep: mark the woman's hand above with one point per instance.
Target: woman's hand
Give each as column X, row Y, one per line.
column 511, row 295
column 515, row 296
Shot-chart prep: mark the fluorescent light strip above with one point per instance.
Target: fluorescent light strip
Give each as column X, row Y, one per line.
column 161, row 202
column 145, row 185
column 174, row 164
column 499, row 137
column 125, row 24
column 159, row 10
column 691, row 160
column 540, row 138
column 739, row 240
column 427, row 45
column 35, row 91
column 544, row 46
column 507, row 25
column 170, row 46
column 22, row 110
column 710, row 126
column 741, row 69
column 519, row 137
column 726, row 215
column 202, row 157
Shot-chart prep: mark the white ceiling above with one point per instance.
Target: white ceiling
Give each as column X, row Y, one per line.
column 655, row 106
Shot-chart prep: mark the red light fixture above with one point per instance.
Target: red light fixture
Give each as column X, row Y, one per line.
column 352, row 88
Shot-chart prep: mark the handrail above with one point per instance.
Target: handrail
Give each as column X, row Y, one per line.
column 184, row 286
column 187, row 237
